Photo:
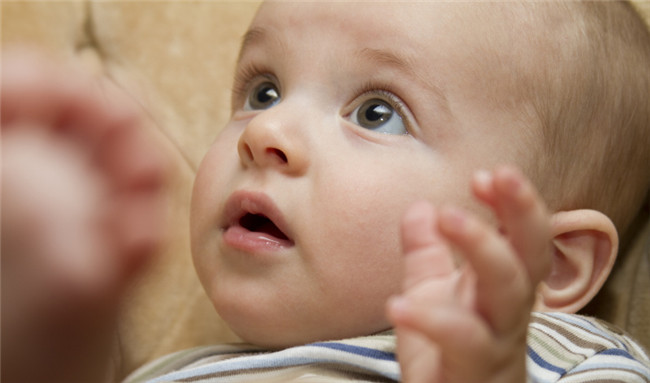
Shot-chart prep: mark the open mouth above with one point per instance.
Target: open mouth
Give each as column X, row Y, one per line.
column 259, row 223
column 253, row 223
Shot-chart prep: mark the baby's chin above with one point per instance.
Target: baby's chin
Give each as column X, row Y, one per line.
column 273, row 338
column 289, row 334
column 281, row 323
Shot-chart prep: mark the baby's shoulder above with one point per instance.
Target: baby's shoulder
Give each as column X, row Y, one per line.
column 562, row 347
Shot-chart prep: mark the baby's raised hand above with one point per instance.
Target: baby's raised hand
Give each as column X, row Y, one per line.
column 468, row 323
column 81, row 212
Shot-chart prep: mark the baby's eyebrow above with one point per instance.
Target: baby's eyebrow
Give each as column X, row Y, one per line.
column 257, row 36
column 386, row 57
column 251, row 37
column 403, row 64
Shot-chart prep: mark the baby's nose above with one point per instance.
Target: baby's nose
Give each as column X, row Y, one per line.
column 269, row 142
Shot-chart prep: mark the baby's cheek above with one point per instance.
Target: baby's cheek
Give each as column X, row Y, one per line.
column 370, row 262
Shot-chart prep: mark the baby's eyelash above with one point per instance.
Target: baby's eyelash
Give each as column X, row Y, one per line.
column 244, row 76
column 383, row 90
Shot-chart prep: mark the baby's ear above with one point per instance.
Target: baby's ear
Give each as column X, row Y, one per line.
column 585, row 245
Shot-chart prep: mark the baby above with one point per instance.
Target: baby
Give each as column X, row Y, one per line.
column 334, row 206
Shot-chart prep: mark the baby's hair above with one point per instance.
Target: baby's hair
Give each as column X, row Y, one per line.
column 593, row 101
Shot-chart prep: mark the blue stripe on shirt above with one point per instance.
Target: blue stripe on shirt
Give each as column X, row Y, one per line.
column 235, row 364
column 284, row 359
column 544, row 364
column 358, row 350
column 617, row 352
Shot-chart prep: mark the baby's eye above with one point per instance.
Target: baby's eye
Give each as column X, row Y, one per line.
column 262, row 96
column 379, row 116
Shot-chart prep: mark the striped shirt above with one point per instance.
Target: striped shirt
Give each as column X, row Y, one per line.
column 561, row 348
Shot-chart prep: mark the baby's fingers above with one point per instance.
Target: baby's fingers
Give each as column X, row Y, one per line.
column 465, row 339
column 501, row 282
column 455, row 329
column 525, row 220
column 426, row 255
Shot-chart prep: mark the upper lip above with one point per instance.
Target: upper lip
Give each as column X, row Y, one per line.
column 243, row 203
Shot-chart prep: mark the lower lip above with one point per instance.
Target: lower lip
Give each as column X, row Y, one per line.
column 239, row 238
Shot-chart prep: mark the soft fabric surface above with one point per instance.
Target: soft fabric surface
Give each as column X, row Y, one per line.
column 177, row 60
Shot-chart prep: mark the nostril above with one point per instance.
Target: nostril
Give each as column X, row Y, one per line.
column 278, row 153
column 248, row 152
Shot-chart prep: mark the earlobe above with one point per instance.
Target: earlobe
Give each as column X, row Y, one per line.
column 585, row 245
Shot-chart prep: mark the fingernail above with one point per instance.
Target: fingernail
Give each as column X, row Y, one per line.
column 513, row 180
column 482, row 177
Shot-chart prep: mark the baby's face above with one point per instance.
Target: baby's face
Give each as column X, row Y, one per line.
column 343, row 115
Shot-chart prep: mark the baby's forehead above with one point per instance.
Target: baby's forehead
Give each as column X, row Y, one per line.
column 485, row 33
column 440, row 25
column 337, row 19
column 398, row 15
